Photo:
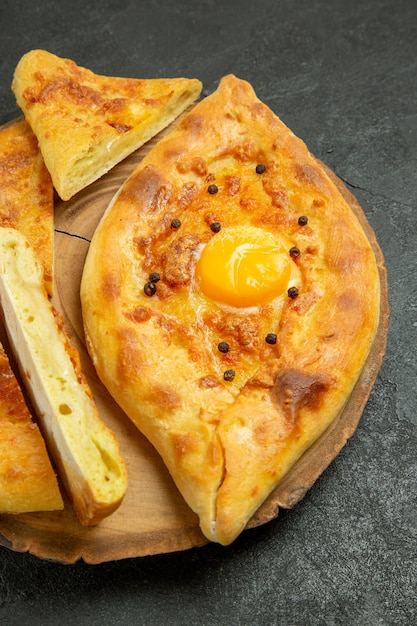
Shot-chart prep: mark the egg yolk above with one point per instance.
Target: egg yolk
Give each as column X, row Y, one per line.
column 243, row 267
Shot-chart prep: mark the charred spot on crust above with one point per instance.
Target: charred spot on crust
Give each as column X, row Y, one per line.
column 193, row 124
column 168, row 397
column 120, row 128
column 309, row 175
column 139, row 314
column 110, row 286
column 195, row 164
column 148, row 190
column 295, row 389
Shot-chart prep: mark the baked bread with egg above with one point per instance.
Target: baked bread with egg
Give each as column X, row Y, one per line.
column 27, row 480
column 26, row 193
column 230, row 298
column 86, row 123
column 85, row 451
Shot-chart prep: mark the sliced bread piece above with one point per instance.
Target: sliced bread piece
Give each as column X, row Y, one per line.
column 27, row 480
column 85, row 451
column 85, row 122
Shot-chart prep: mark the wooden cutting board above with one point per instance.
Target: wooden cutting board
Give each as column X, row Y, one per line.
column 154, row 518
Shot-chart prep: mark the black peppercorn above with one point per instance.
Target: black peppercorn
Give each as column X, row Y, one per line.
column 176, row 223
column 212, row 188
column 294, row 252
column 292, row 292
column 223, row 347
column 150, row 289
column 271, row 338
column 302, row 220
column 154, row 277
column 215, row 227
column 260, row 168
column 229, row 375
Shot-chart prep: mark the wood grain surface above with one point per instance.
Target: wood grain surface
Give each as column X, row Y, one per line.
column 154, row 518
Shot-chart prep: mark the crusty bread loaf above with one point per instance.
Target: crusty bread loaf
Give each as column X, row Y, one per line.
column 27, row 480
column 85, row 451
column 86, row 123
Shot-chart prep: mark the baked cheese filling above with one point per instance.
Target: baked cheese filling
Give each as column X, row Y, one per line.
column 222, row 276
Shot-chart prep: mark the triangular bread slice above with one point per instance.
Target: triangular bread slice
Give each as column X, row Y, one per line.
column 85, row 450
column 26, row 193
column 27, row 480
column 87, row 123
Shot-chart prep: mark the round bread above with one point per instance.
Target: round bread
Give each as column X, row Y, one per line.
column 230, row 395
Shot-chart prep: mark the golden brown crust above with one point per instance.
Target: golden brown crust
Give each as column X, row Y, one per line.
column 227, row 444
column 26, row 192
column 27, row 480
column 86, row 123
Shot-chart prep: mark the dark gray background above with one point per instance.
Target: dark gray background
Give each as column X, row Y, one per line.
column 343, row 75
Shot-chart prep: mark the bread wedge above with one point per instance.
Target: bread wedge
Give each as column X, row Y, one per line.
column 26, row 193
column 85, row 122
column 85, row 451
column 28, row 482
